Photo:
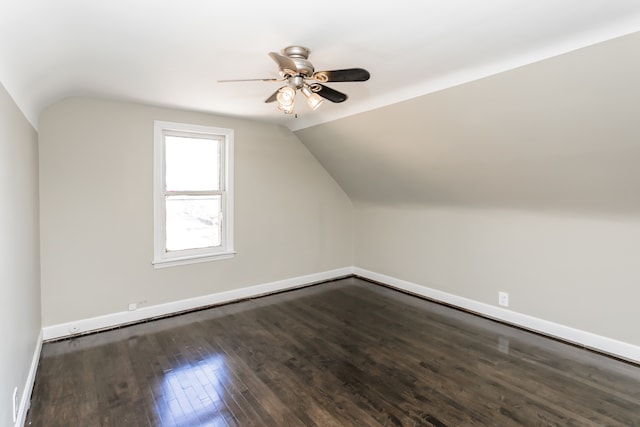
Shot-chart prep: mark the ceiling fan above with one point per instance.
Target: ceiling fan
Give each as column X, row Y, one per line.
column 298, row 74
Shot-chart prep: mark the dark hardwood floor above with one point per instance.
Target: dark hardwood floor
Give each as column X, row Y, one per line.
column 336, row 354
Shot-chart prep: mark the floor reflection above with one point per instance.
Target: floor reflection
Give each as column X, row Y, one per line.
column 194, row 395
column 503, row 344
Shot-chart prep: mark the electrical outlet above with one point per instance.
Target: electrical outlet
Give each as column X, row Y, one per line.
column 503, row 299
column 15, row 404
column 136, row 304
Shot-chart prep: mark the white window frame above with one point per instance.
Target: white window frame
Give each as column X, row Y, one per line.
column 162, row 257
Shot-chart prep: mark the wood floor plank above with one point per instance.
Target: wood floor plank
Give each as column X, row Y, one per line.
column 385, row 383
column 312, row 367
column 342, row 353
column 311, row 405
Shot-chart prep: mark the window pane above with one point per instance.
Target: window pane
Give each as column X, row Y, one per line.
column 193, row 222
column 192, row 164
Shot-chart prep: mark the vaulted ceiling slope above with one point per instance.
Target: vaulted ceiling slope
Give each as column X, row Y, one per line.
column 172, row 53
column 561, row 134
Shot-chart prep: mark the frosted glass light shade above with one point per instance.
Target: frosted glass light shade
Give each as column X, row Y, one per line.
column 313, row 99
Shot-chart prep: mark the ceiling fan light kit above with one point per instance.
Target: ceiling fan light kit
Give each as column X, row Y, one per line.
column 313, row 99
column 298, row 72
column 286, row 99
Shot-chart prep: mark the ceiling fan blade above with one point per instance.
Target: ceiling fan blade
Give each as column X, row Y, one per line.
column 286, row 64
column 347, row 75
column 251, row 80
column 328, row 93
column 273, row 97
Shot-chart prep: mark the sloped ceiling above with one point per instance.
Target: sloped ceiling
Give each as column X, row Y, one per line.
column 561, row 134
column 464, row 105
column 172, row 53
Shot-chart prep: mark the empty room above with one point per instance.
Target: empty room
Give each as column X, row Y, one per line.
column 331, row 214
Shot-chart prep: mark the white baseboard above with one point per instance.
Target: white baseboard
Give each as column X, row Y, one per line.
column 599, row 343
column 124, row 317
column 25, row 400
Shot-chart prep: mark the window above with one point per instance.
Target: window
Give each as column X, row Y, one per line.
column 193, row 193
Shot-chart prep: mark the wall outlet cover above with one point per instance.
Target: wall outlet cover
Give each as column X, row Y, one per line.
column 503, row 299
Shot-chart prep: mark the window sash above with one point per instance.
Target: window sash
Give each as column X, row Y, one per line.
column 198, row 225
column 165, row 254
column 219, row 157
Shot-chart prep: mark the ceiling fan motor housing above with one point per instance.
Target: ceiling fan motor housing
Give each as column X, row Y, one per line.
column 299, row 55
column 296, row 82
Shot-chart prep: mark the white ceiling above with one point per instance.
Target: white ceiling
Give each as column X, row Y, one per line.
column 171, row 53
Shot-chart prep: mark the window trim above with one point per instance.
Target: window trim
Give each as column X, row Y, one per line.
column 163, row 258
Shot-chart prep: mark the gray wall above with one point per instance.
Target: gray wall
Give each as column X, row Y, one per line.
column 19, row 251
column 575, row 271
column 96, row 160
column 526, row 182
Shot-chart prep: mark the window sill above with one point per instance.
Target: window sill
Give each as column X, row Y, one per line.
column 192, row 259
